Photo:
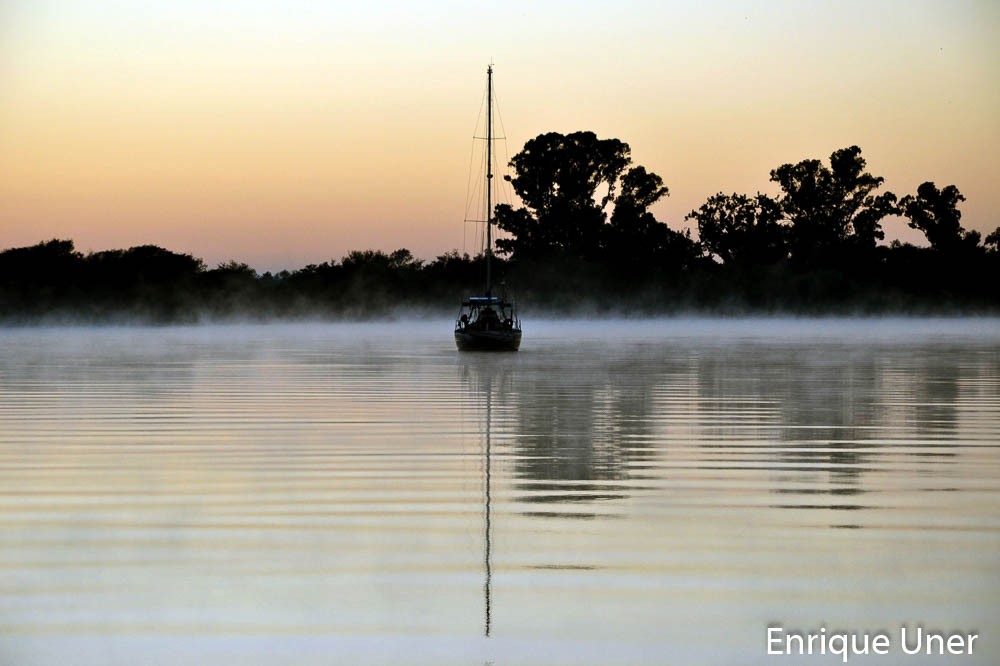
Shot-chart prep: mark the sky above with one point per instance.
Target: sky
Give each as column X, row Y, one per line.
column 284, row 133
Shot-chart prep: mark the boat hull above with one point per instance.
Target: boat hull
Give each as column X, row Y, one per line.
column 467, row 340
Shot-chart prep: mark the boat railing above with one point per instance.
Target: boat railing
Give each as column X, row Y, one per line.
column 471, row 311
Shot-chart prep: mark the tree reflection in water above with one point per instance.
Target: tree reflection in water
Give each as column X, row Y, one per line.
column 580, row 425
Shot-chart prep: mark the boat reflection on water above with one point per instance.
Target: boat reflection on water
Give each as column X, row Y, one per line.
column 481, row 378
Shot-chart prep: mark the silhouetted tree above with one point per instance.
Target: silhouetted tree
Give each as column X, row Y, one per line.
column 452, row 270
column 635, row 240
column 144, row 265
column 377, row 260
column 234, row 267
column 640, row 189
column 375, row 281
column 558, row 178
column 738, row 229
column 832, row 209
column 51, row 262
column 992, row 242
column 935, row 213
column 234, row 288
column 146, row 281
column 39, row 278
column 449, row 262
column 567, row 183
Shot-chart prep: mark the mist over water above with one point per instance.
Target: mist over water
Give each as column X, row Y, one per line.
column 619, row 491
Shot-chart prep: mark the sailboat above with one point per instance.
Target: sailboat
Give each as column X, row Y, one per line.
column 488, row 322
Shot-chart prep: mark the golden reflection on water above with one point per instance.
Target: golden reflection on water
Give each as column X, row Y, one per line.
column 617, row 496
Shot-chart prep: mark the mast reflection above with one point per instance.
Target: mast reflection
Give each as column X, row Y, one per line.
column 484, row 375
column 488, row 531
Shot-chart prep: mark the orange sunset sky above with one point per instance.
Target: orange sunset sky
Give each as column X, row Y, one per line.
column 288, row 133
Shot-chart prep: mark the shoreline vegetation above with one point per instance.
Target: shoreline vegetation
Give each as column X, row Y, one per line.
column 584, row 242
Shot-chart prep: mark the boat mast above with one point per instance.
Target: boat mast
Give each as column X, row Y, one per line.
column 489, row 179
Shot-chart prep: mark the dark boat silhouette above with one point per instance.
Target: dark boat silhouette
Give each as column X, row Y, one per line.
column 488, row 322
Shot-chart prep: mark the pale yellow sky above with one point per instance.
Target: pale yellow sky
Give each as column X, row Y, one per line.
column 287, row 133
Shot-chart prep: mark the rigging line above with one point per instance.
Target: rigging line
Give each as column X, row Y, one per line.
column 479, row 197
column 506, row 152
column 506, row 155
column 502, row 190
column 472, row 194
column 475, row 194
column 468, row 197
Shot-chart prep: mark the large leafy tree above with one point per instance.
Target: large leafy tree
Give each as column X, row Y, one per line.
column 832, row 208
column 558, row 177
column 567, row 183
column 634, row 236
column 143, row 266
column 54, row 262
column 935, row 212
column 738, row 229
column 640, row 189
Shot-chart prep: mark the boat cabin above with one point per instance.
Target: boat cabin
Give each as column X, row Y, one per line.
column 487, row 313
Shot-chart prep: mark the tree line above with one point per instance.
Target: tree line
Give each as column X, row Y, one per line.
column 814, row 247
column 52, row 281
column 584, row 240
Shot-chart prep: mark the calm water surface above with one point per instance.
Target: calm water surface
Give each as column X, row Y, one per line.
column 617, row 492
